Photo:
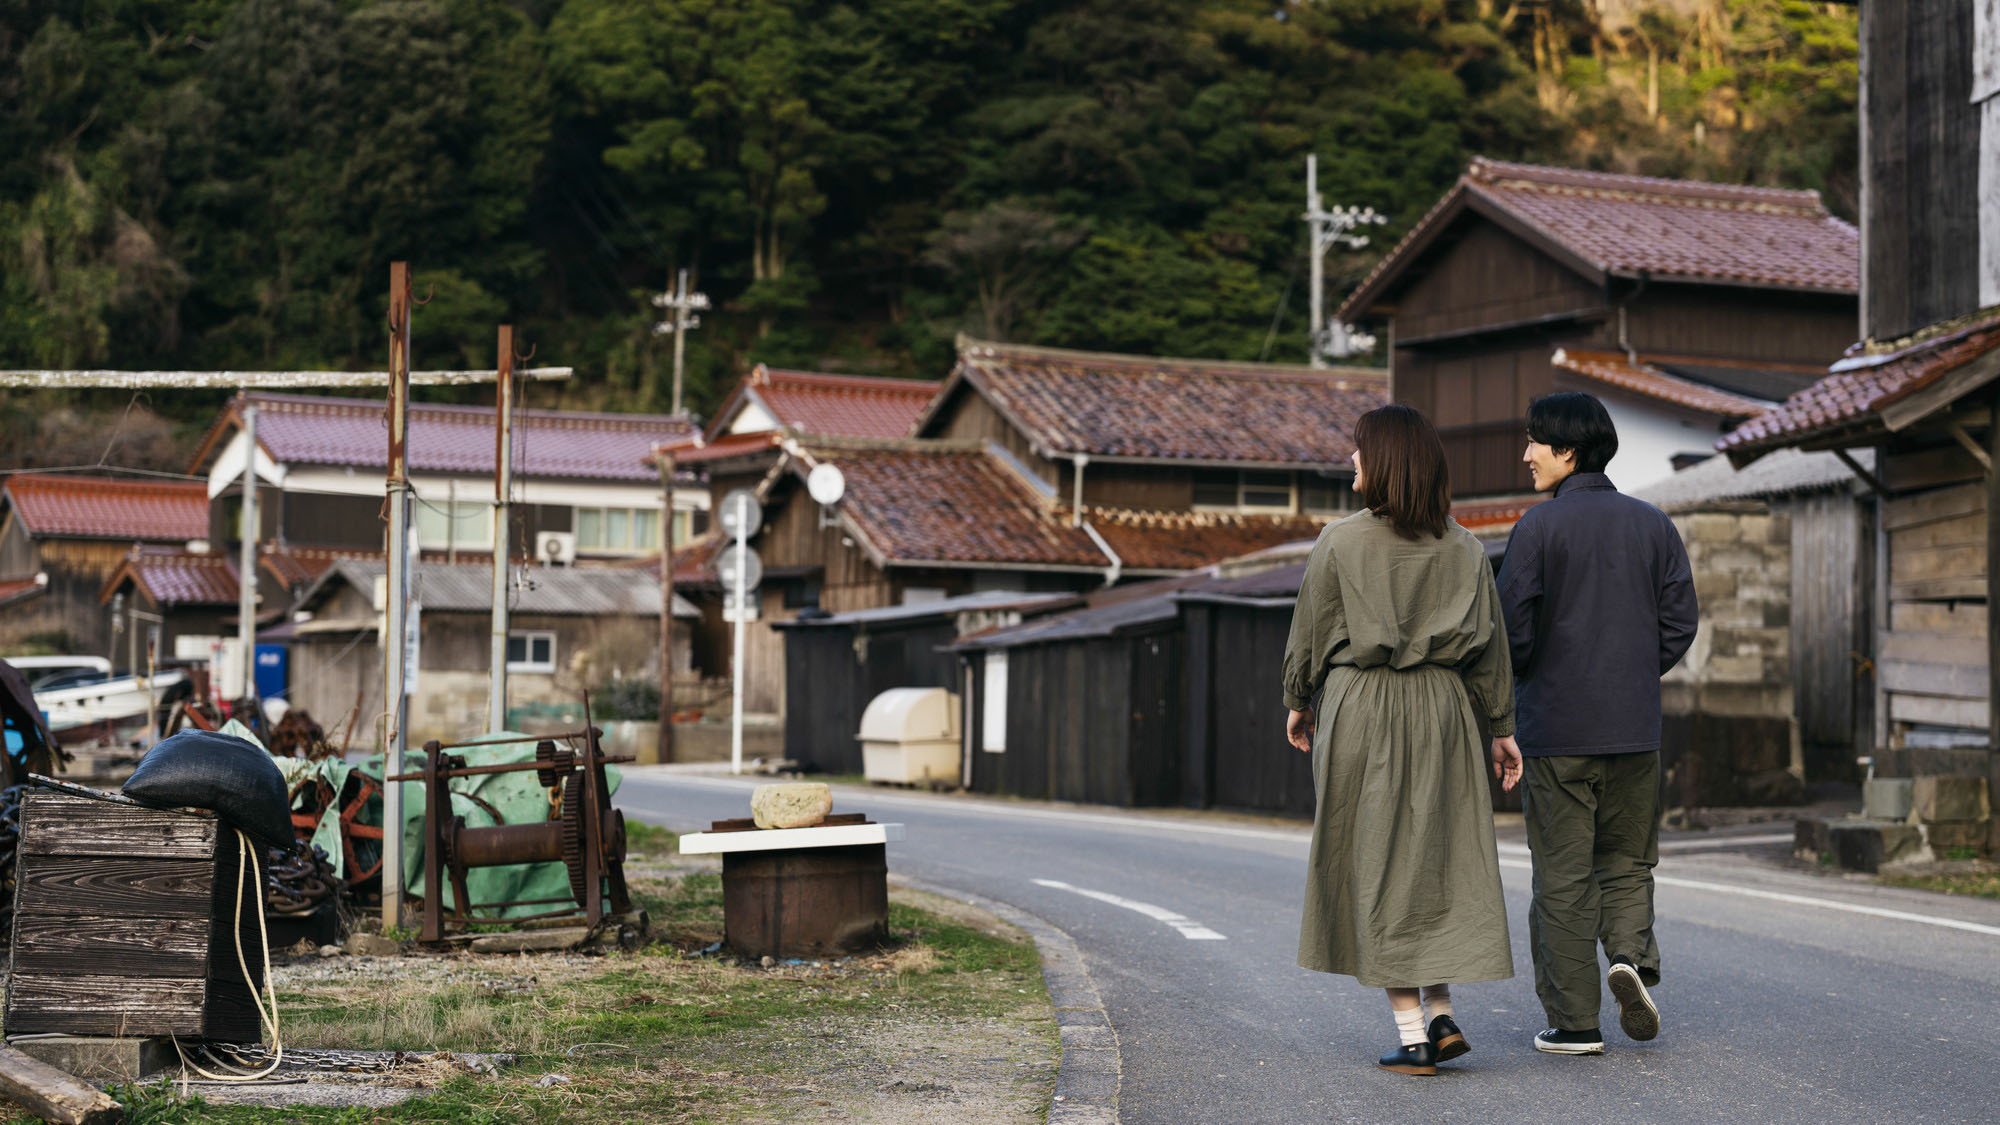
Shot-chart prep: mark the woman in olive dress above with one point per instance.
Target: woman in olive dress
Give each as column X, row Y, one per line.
column 1397, row 648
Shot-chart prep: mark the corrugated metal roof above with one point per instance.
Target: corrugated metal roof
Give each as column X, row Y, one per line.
column 581, row 591
column 1783, row 473
column 985, row 600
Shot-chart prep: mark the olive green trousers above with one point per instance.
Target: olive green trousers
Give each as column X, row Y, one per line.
column 1594, row 828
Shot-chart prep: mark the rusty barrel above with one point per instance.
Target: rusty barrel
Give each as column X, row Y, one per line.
column 805, row 902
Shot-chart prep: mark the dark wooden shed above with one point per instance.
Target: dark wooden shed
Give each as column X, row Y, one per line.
column 1234, row 753
column 836, row 664
column 1092, row 705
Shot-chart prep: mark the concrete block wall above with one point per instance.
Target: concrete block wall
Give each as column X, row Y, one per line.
column 1729, row 735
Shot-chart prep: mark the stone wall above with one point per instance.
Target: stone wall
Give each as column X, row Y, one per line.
column 1729, row 736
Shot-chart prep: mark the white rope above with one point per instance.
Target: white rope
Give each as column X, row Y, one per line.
column 246, row 865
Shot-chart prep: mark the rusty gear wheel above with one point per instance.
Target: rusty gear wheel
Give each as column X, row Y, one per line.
column 573, row 813
column 554, row 763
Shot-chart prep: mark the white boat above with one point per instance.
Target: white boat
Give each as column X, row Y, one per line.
column 106, row 701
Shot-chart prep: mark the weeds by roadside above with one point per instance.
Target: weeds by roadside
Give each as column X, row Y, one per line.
column 1980, row 884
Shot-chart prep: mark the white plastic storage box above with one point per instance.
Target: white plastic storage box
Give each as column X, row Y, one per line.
column 909, row 736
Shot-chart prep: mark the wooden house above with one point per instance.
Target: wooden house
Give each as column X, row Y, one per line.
column 1686, row 307
column 1920, row 390
column 569, row 629
column 62, row 536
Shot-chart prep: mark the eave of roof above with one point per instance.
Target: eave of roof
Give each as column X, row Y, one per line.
column 1639, row 377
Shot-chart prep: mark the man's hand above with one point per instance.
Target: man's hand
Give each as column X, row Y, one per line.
column 1507, row 762
column 1299, row 730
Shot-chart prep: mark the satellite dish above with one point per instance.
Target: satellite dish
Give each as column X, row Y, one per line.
column 826, row 483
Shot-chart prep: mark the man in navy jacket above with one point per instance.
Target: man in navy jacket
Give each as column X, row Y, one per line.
column 1599, row 604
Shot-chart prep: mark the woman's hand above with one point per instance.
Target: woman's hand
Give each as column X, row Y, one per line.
column 1507, row 762
column 1299, row 730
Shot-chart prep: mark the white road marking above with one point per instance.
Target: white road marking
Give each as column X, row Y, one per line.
column 1806, row 900
column 1301, row 837
column 1726, row 842
column 1193, row 931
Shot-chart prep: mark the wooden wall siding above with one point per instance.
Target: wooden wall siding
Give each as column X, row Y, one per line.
column 1937, row 543
column 18, row 557
column 1489, row 277
column 1931, row 661
column 833, row 673
column 1831, row 635
column 324, row 519
column 1920, row 160
column 970, row 417
column 224, row 522
column 125, row 924
column 1070, row 705
column 1709, row 320
column 1478, row 397
column 1154, row 769
column 77, row 569
column 1235, row 750
column 1145, row 487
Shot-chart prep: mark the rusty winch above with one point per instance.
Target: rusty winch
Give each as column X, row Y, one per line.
column 586, row 835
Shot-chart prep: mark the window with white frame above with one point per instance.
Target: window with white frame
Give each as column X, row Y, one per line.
column 531, row 652
column 1245, row 491
column 617, row 529
column 1324, row 496
column 454, row 523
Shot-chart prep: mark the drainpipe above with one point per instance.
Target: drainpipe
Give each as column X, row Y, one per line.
column 1631, row 353
column 1076, row 503
column 1117, row 566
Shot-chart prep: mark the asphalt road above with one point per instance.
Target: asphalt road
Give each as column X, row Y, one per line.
column 1788, row 995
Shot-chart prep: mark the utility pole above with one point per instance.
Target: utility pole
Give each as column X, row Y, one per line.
column 682, row 305
column 1326, row 228
column 666, row 463
column 246, row 565
column 395, row 646
column 503, row 483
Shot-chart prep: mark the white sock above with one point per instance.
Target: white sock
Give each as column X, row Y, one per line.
column 1437, row 1002
column 1410, row 1023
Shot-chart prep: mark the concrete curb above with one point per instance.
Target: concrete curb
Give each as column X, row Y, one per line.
column 1087, row 1077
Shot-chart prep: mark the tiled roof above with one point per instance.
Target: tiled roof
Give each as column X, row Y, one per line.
column 861, row 406
column 1152, row 409
column 109, row 508
column 1631, row 225
column 947, row 502
column 1489, row 517
column 19, row 590
column 1858, row 388
column 1184, row 540
column 178, row 578
column 300, row 429
column 587, row 591
column 700, row 450
column 1614, row 369
column 300, row 566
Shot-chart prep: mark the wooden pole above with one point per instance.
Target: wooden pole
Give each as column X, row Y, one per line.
column 54, row 1095
column 1993, row 592
column 395, row 647
column 666, row 463
column 503, row 481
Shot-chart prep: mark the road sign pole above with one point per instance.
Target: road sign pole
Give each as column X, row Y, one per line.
column 736, row 666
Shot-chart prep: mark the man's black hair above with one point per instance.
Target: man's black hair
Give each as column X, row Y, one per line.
column 1572, row 420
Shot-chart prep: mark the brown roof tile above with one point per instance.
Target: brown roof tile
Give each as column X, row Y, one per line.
column 1153, row 409
column 1614, row 369
column 109, row 508
column 948, row 502
column 1851, row 395
column 1631, row 225
column 1185, row 540
column 809, row 402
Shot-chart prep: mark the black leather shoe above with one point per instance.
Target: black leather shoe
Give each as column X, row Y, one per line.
column 1636, row 1013
column 1417, row 1058
column 1448, row 1039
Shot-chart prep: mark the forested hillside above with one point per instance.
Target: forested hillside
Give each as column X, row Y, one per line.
column 222, row 183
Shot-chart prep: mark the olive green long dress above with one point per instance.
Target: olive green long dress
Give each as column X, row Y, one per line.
column 1406, row 639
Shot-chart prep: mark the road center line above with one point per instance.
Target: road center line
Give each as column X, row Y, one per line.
column 1193, row 931
column 1806, row 900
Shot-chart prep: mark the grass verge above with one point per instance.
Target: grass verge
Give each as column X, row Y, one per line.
column 1980, row 884
column 948, row 1022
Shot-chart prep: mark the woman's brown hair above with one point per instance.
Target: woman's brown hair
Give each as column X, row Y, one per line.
column 1404, row 478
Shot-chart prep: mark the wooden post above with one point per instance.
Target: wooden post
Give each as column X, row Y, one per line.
column 54, row 1095
column 395, row 647
column 1993, row 593
column 503, row 482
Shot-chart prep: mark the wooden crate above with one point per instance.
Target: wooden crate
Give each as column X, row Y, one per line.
column 121, row 923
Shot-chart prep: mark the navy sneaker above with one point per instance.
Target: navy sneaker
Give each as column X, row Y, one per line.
column 1636, row 1014
column 1556, row 1041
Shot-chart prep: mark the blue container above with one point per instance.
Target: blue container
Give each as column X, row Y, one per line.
column 273, row 671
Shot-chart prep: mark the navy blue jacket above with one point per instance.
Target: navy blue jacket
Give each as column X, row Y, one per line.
column 1599, row 604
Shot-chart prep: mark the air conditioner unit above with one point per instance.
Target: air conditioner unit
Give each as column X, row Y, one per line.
column 555, row 548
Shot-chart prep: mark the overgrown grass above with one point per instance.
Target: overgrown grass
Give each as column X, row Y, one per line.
column 662, row 1035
